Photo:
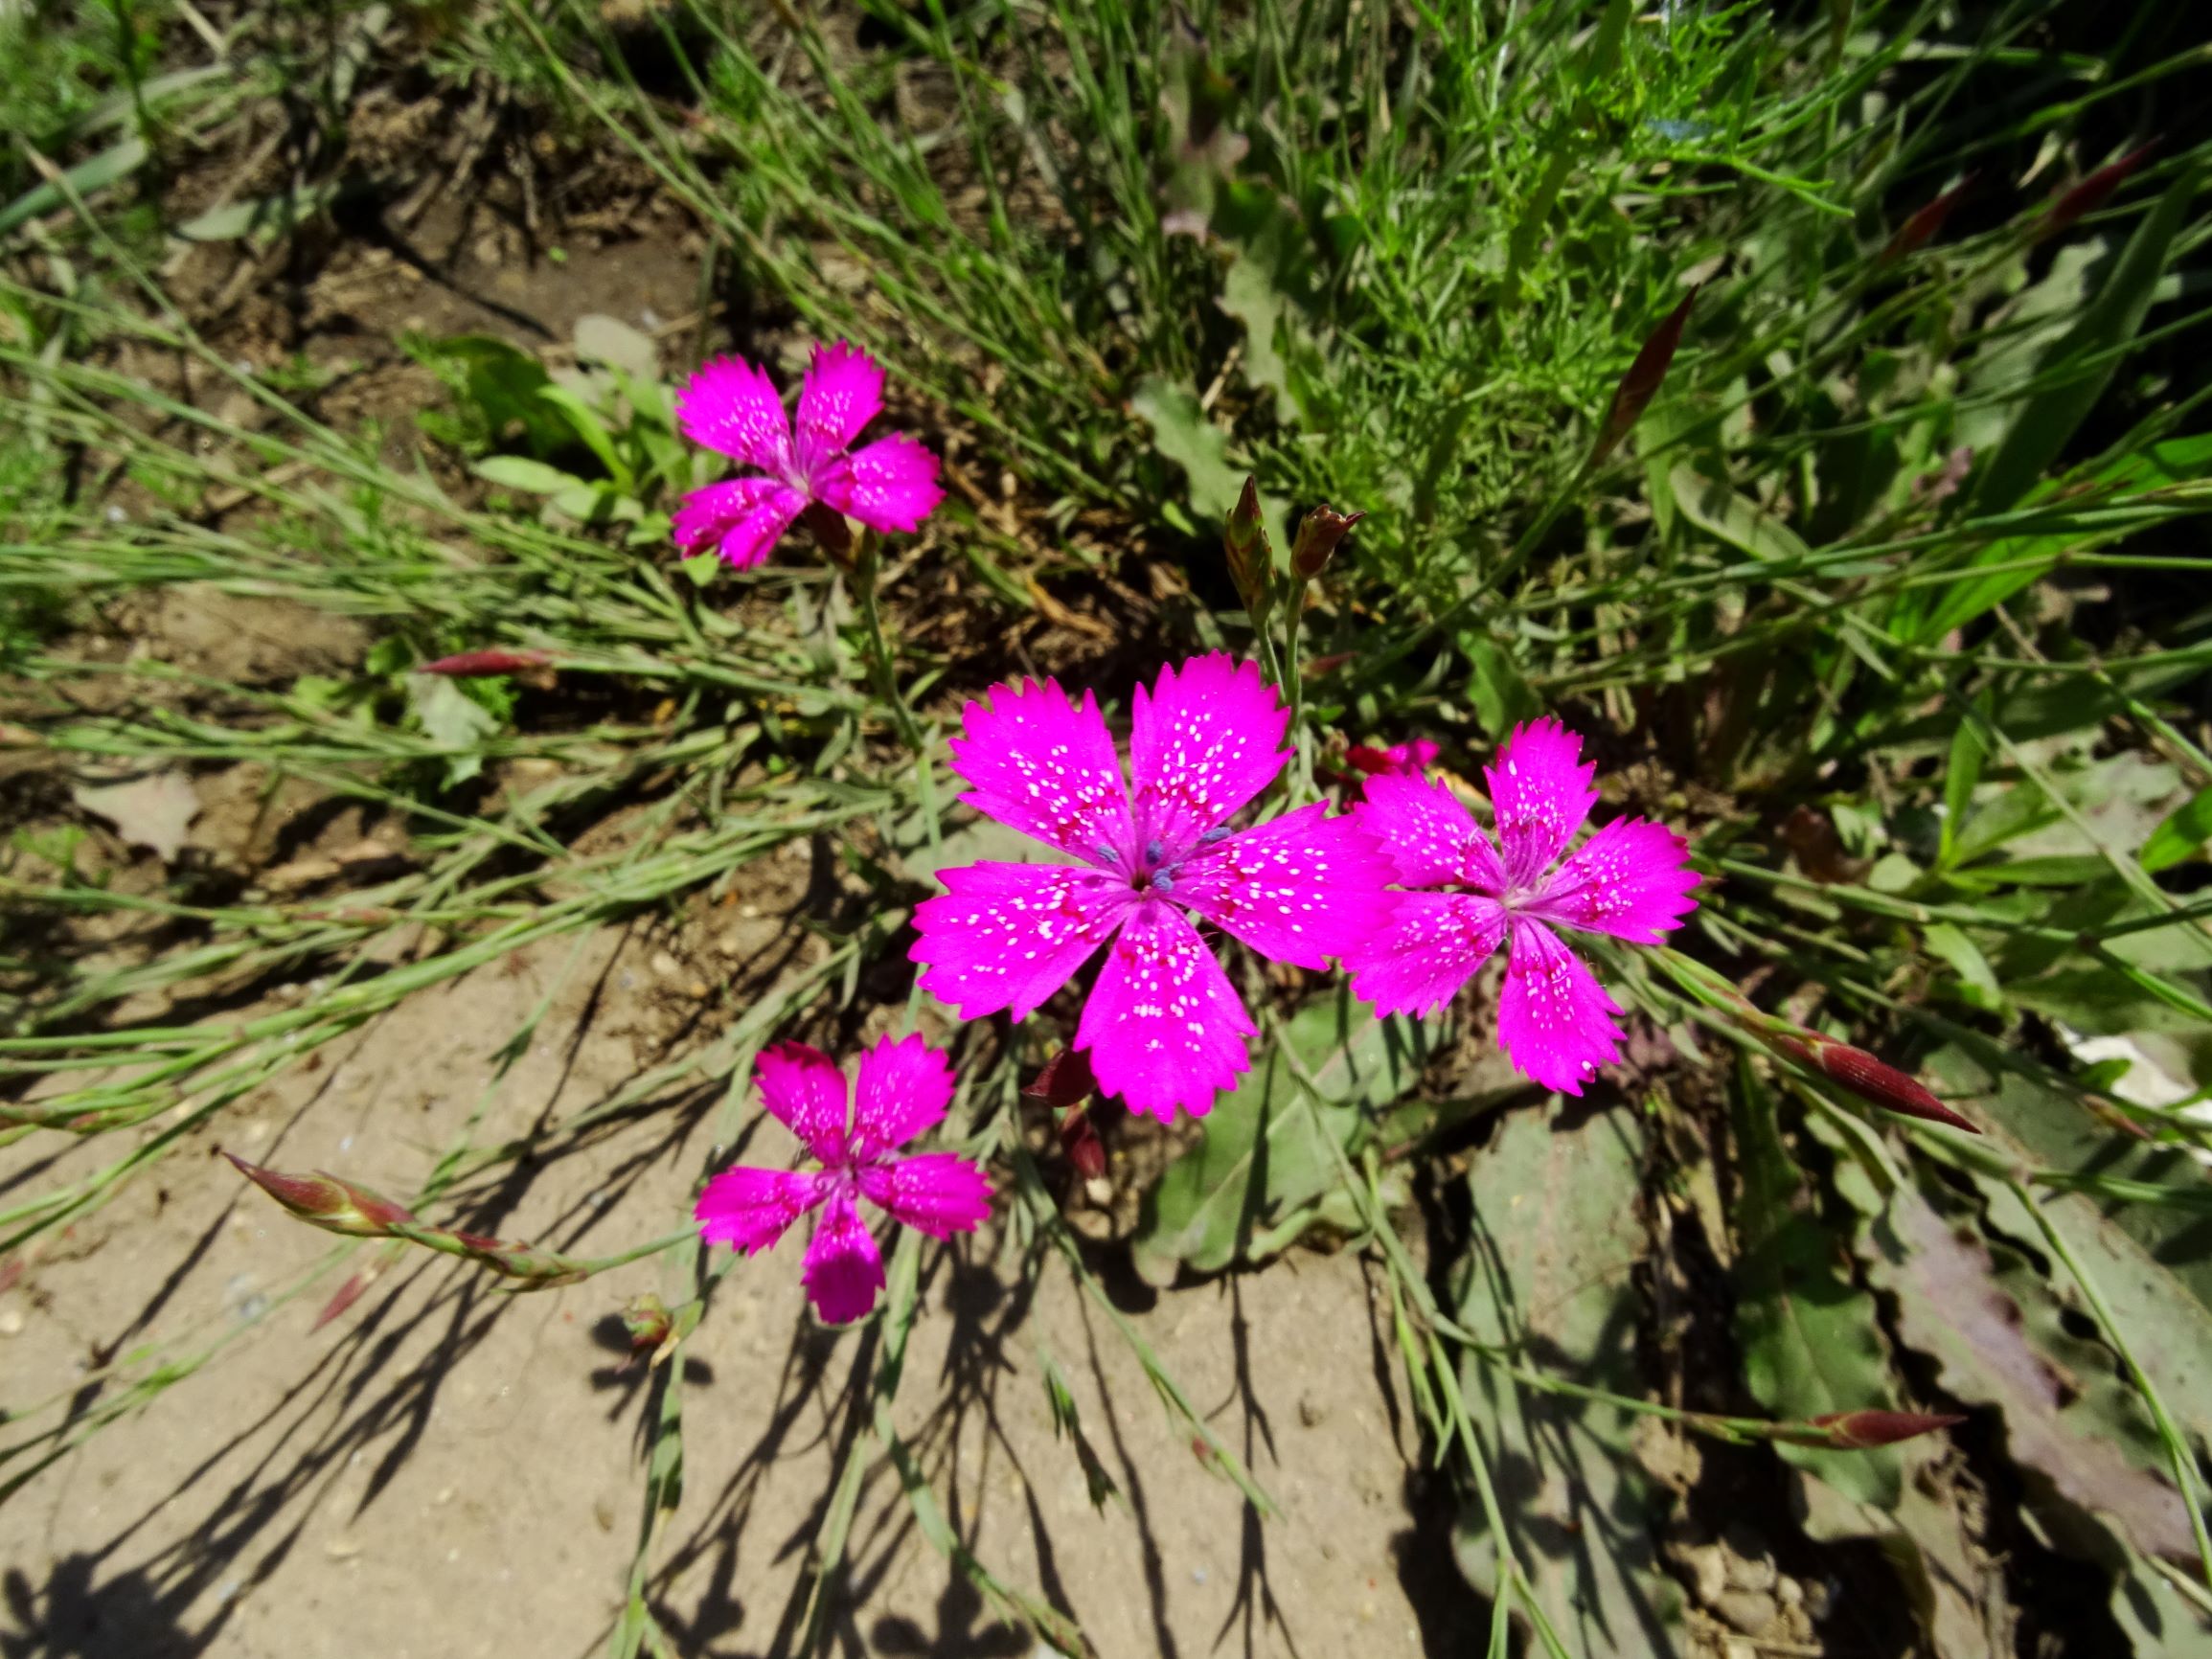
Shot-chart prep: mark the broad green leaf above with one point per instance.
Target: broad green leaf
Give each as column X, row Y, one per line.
column 1997, row 1330
column 520, row 472
column 453, row 721
column 1978, row 981
column 1263, row 1151
column 272, row 215
column 1501, row 697
column 1723, row 514
column 1968, row 749
column 1249, row 294
column 592, row 430
column 1811, row 1341
column 88, row 177
column 2083, row 364
column 1550, row 1276
column 2186, row 829
column 1184, row 436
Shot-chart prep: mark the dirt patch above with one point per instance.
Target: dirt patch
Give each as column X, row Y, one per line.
column 443, row 1470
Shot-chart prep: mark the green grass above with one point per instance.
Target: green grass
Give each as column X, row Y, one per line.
column 1890, row 599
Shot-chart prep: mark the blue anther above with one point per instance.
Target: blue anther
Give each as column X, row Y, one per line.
column 1155, row 850
column 1213, row 836
column 1163, row 882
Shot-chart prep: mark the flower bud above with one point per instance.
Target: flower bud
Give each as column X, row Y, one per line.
column 1918, row 231
column 1868, row 1077
column 646, row 1321
column 336, row 1206
column 2091, row 193
column 1079, row 1140
column 478, row 665
column 1858, row 1430
column 1251, row 560
column 1066, row 1081
column 1318, row 533
column 1641, row 383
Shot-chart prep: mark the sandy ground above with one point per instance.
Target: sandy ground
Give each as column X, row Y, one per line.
column 443, row 1470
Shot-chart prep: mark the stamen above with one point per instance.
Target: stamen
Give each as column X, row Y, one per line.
column 1155, row 850
column 1220, row 833
column 1164, row 882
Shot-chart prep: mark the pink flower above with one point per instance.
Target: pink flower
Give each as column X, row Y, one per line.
column 1163, row 1025
column 1466, row 895
column 730, row 406
column 903, row 1090
column 1412, row 758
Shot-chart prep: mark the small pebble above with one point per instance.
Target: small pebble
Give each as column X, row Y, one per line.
column 1749, row 1612
column 10, row 1321
column 664, row 965
column 1310, row 1412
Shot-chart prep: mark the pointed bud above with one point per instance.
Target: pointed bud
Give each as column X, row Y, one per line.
column 2091, row 193
column 1641, row 382
column 1918, row 231
column 1080, row 1142
column 1251, row 560
column 480, row 665
column 1871, row 1078
column 348, row 1294
column 336, row 1206
column 1318, row 533
column 1858, row 1430
column 1066, row 1081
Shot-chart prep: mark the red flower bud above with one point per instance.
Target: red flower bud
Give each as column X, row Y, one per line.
column 1869, row 1078
column 1066, row 1081
column 1641, row 383
column 480, row 665
column 2090, row 194
column 647, row 1320
column 1858, row 1430
column 1318, row 533
column 1921, row 228
column 1079, row 1140
column 329, row 1203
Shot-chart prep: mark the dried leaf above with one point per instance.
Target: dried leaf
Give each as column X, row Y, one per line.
column 150, row 810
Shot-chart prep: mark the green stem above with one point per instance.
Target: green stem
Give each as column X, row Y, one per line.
column 866, row 566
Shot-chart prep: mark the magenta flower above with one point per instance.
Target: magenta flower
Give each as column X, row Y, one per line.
column 1411, row 758
column 730, row 406
column 1466, row 895
column 903, row 1090
column 1163, row 1025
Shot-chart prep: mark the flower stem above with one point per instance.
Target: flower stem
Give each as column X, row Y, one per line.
column 866, row 563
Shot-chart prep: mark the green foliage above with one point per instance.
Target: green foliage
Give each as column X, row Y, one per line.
column 1270, row 1149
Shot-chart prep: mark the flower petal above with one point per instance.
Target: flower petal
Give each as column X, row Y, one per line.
column 804, row 1089
column 940, row 1193
column 748, row 1209
column 1163, row 1025
column 731, row 406
column 1302, row 889
column 891, row 485
column 1047, row 769
column 1426, row 948
column 844, row 1268
column 1554, row 1021
column 902, row 1089
column 1009, row 935
column 1540, row 789
column 1427, row 834
column 842, row 393
column 1630, row 879
column 746, row 515
column 1207, row 739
